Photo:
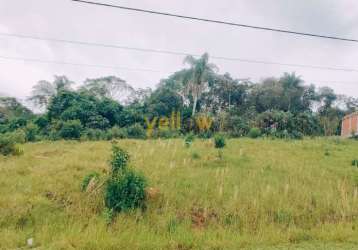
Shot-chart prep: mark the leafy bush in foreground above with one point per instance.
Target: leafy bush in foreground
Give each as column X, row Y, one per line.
column 125, row 188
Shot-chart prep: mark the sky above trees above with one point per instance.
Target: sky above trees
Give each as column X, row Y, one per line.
column 68, row 20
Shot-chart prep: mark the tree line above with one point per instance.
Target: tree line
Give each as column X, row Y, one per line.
column 108, row 107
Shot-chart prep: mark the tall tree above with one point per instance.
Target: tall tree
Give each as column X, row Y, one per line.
column 224, row 93
column 196, row 78
column 111, row 87
column 292, row 91
column 10, row 107
column 44, row 90
column 327, row 98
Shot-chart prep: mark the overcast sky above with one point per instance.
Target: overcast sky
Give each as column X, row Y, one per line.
column 64, row 19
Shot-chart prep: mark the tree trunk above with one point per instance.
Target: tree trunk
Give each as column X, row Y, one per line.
column 194, row 105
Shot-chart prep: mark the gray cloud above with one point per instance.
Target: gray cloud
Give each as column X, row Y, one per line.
column 68, row 20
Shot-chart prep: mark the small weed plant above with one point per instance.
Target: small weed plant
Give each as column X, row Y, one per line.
column 87, row 179
column 220, row 143
column 355, row 163
column 189, row 139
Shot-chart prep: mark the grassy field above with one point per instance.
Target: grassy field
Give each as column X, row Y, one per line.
column 263, row 194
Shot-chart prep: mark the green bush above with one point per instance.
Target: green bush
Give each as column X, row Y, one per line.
column 219, row 141
column 136, row 131
column 8, row 145
column 94, row 134
column 17, row 123
column 254, row 133
column 119, row 159
column 125, row 191
column 42, row 121
column 97, row 122
column 296, row 135
column 117, row 133
column 237, row 126
column 86, row 180
column 54, row 135
column 31, row 132
column 18, row 136
column 166, row 133
column 71, row 129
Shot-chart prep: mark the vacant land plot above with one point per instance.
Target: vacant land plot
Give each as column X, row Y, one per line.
column 263, row 194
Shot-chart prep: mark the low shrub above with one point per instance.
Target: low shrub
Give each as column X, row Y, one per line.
column 237, row 126
column 166, row 133
column 31, row 132
column 54, row 135
column 18, row 136
column 97, row 122
column 8, row 145
column 125, row 191
column 71, row 129
column 117, row 133
column 254, row 133
column 136, row 131
column 94, row 134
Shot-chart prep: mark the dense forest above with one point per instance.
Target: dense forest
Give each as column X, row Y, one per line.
column 108, row 107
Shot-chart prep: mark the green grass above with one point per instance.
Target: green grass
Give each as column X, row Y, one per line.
column 263, row 194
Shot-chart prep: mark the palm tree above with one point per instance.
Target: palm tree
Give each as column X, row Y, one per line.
column 292, row 89
column 195, row 79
